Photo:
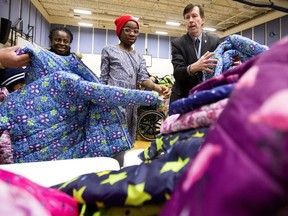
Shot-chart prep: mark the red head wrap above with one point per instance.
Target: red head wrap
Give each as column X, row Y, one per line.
column 121, row 21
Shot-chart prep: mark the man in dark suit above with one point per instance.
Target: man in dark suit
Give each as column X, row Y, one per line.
column 189, row 59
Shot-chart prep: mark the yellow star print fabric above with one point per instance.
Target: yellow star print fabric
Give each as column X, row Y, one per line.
column 147, row 184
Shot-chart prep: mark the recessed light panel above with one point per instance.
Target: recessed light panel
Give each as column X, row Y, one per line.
column 82, row 11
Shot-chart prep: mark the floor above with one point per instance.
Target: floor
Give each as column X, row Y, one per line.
column 141, row 144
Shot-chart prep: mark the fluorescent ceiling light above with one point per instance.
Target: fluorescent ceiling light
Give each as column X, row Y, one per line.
column 82, row 11
column 85, row 24
column 161, row 32
column 173, row 23
column 209, row 29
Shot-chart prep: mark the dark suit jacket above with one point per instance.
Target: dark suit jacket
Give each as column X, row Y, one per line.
column 183, row 54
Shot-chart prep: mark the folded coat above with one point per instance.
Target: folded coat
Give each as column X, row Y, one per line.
column 242, row 167
column 234, row 45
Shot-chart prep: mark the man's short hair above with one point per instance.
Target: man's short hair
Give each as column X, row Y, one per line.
column 190, row 7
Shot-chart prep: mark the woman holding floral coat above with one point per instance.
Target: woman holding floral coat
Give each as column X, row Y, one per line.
column 65, row 112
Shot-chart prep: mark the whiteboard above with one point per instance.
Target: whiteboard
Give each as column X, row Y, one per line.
column 148, row 59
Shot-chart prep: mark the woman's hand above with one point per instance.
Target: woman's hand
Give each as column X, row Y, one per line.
column 162, row 90
column 10, row 59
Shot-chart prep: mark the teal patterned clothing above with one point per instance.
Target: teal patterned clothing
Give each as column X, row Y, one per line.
column 66, row 112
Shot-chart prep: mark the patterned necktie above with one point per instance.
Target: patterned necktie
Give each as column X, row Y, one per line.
column 197, row 41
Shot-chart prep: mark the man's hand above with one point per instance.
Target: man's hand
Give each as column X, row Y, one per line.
column 237, row 61
column 204, row 63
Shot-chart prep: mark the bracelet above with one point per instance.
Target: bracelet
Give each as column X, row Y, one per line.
column 1, row 66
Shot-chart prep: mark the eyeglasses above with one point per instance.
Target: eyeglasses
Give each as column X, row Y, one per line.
column 128, row 30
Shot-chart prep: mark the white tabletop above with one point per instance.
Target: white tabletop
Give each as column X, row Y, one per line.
column 48, row 173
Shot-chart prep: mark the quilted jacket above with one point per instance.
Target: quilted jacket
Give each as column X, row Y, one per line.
column 234, row 45
column 65, row 111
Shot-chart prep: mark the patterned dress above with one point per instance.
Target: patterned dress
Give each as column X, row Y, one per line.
column 124, row 69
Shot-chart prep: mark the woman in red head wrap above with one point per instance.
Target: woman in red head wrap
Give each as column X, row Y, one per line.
column 121, row 21
column 122, row 66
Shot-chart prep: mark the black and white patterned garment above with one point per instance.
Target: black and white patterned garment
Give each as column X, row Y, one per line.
column 124, row 69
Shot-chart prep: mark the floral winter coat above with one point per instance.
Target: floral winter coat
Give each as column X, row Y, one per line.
column 234, row 45
column 65, row 112
column 6, row 156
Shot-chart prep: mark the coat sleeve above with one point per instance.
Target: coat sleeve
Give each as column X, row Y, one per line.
column 103, row 94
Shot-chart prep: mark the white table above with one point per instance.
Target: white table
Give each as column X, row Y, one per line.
column 131, row 158
column 48, row 173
